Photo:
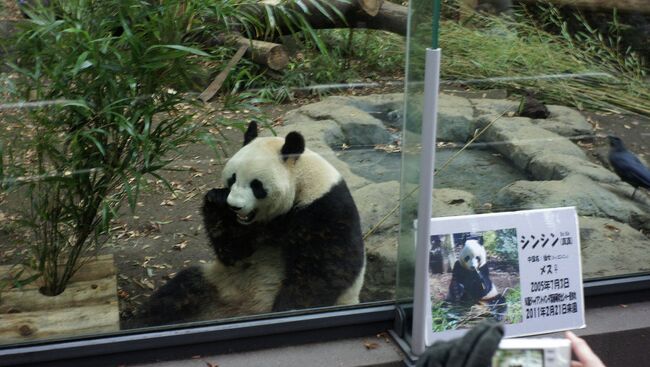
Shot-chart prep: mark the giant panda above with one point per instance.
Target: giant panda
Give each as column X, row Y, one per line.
column 470, row 281
column 286, row 234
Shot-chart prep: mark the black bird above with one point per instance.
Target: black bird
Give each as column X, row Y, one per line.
column 627, row 166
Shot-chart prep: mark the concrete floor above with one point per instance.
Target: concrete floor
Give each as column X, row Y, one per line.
column 358, row 352
column 618, row 329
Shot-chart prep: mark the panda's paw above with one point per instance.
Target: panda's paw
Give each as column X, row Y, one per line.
column 217, row 197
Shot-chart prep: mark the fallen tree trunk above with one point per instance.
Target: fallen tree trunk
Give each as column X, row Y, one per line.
column 272, row 55
column 370, row 7
column 642, row 6
column 370, row 14
column 355, row 14
column 391, row 17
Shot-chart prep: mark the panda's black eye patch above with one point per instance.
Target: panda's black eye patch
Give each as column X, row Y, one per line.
column 231, row 180
column 467, row 258
column 478, row 258
column 258, row 189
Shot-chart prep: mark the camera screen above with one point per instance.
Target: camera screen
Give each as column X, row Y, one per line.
column 518, row 358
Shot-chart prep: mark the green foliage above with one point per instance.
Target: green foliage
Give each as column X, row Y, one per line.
column 502, row 243
column 445, row 316
column 109, row 77
column 522, row 55
column 352, row 56
column 513, row 300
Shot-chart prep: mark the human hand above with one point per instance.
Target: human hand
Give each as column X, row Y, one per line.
column 586, row 357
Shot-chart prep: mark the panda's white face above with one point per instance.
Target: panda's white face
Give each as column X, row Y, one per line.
column 473, row 255
column 261, row 186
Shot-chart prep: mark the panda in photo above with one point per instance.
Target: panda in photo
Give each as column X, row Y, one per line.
column 286, row 234
column 470, row 280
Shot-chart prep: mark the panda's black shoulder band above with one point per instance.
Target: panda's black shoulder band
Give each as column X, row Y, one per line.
column 294, row 145
column 251, row 132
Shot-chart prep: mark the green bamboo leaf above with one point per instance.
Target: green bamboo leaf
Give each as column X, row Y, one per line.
column 98, row 144
column 191, row 50
column 163, row 180
column 75, row 103
column 20, row 283
column 320, row 8
column 81, row 63
column 302, row 6
column 271, row 17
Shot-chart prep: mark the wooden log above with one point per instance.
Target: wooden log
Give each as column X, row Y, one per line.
column 273, row 55
column 370, row 7
column 641, row 6
column 391, row 17
column 381, row 15
column 87, row 306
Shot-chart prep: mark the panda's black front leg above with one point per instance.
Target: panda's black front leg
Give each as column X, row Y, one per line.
column 315, row 276
column 230, row 240
column 179, row 300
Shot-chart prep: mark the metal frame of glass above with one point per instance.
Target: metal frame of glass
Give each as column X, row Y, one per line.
column 146, row 345
column 162, row 343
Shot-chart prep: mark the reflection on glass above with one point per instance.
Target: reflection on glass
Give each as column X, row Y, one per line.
column 127, row 202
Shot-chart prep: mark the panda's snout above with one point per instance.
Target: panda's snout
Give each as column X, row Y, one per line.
column 235, row 208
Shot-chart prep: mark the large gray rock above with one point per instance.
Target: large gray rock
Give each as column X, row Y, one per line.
column 519, row 140
column 451, row 202
column 377, row 202
column 316, row 134
column 494, row 107
column 589, row 198
column 611, row 248
column 552, row 166
column 455, row 118
column 565, row 121
column 359, row 128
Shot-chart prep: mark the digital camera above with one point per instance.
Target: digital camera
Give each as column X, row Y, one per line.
column 533, row 352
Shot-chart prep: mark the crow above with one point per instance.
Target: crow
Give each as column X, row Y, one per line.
column 627, row 166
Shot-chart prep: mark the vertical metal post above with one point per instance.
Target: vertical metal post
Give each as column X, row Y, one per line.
column 421, row 319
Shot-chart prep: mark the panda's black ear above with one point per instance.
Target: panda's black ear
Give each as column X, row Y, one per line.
column 294, row 145
column 251, row 132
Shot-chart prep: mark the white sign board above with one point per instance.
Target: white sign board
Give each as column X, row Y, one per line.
column 520, row 268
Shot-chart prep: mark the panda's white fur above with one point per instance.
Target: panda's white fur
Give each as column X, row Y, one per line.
column 261, row 264
column 246, row 288
column 297, row 183
column 473, row 255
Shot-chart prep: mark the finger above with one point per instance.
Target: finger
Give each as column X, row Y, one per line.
column 583, row 351
column 576, row 364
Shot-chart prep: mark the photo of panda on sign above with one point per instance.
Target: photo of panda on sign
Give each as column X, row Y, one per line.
column 474, row 276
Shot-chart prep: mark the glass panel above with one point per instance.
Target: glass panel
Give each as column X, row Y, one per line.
column 542, row 104
column 127, row 201
column 419, row 39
